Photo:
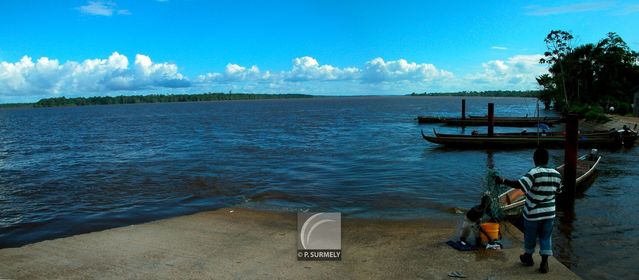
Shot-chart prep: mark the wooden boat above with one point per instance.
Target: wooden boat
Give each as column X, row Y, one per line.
column 512, row 201
column 534, row 133
column 497, row 121
column 613, row 139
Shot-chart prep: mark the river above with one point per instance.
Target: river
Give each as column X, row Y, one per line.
column 65, row 171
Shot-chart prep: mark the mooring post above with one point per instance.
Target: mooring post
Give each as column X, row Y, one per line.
column 463, row 109
column 491, row 109
column 570, row 160
column 635, row 106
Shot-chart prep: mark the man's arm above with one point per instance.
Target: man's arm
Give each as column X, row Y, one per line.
column 510, row 183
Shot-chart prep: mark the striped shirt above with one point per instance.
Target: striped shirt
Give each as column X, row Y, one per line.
column 540, row 185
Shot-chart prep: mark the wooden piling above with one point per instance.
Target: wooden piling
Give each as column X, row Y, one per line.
column 570, row 160
column 463, row 113
column 491, row 121
column 635, row 106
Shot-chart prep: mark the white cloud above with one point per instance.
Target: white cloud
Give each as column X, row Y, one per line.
column 235, row 73
column 535, row 10
column 517, row 72
column 307, row 68
column 499, row 48
column 149, row 74
column 378, row 70
column 102, row 8
column 50, row 77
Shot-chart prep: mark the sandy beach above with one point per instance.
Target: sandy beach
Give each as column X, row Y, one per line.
column 236, row 243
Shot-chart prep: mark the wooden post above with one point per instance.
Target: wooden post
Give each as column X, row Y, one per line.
column 570, row 160
column 635, row 107
column 491, row 109
column 463, row 109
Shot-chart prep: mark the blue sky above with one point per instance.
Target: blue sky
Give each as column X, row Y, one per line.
column 86, row 48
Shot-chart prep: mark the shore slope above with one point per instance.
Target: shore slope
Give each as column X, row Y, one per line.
column 236, row 243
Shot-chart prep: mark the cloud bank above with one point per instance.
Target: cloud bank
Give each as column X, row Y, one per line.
column 379, row 76
column 306, row 68
column 49, row 77
column 29, row 79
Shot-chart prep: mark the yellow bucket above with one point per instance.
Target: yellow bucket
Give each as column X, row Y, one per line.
column 492, row 229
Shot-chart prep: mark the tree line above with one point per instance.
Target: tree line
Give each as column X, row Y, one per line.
column 488, row 93
column 592, row 76
column 158, row 98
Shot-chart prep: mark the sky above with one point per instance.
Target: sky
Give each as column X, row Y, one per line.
column 324, row 47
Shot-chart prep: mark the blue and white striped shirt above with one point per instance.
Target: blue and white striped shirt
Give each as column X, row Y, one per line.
column 540, row 185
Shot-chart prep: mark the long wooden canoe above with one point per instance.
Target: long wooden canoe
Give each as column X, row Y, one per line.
column 512, row 201
column 612, row 139
column 497, row 121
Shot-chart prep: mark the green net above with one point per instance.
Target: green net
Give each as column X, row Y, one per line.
column 493, row 190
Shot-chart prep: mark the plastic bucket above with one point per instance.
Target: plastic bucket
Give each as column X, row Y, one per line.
column 492, row 229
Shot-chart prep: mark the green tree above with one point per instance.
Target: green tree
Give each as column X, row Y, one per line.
column 617, row 71
column 601, row 74
column 549, row 90
column 558, row 43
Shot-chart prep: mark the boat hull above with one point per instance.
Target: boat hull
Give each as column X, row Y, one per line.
column 498, row 121
column 512, row 201
column 597, row 140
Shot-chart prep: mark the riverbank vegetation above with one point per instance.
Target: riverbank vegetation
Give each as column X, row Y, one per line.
column 158, row 98
column 489, row 93
column 589, row 79
column 16, row 105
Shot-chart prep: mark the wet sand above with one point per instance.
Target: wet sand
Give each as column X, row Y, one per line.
column 235, row 243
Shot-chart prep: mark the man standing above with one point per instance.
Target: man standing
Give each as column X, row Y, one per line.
column 540, row 185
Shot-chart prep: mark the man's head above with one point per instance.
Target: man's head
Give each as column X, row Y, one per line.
column 541, row 157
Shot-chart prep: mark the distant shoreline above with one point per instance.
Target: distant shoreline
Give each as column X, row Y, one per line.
column 205, row 97
column 151, row 98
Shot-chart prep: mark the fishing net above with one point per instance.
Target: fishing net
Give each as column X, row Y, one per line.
column 493, row 190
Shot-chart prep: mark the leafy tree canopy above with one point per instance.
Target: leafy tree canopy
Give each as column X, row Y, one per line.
column 600, row 75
